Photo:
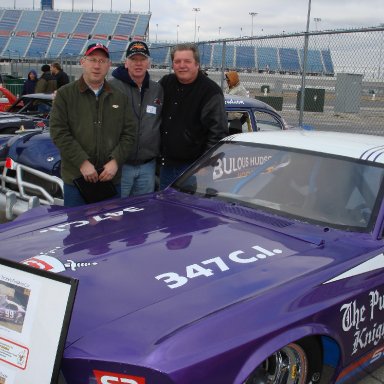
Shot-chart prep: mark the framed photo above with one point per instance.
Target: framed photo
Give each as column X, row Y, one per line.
column 35, row 311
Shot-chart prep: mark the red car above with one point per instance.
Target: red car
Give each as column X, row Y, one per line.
column 7, row 98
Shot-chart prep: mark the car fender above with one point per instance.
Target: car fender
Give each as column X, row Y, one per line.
column 277, row 342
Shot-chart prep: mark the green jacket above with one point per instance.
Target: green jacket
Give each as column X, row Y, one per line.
column 46, row 84
column 88, row 127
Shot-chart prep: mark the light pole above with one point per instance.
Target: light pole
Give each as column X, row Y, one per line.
column 195, row 10
column 252, row 14
column 219, row 31
column 316, row 20
column 198, row 33
column 177, row 34
column 157, row 29
column 130, row 6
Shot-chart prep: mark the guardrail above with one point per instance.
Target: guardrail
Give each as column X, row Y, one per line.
column 16, row 194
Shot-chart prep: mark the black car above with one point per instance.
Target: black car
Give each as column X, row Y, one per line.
column 27, row 112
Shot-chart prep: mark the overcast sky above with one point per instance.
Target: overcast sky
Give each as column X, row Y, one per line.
column 228, row 19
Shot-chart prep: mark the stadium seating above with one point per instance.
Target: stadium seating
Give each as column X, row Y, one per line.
column 50, row 34
column 267, row 59
column 245, row 57
column 289, row 60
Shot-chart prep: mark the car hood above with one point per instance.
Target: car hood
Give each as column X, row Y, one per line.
column 11, row 119
column 7, row 116
column 151, row 266
column 36, row 150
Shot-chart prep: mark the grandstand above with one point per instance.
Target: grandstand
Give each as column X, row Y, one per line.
column 250, row 58
column 49, row 35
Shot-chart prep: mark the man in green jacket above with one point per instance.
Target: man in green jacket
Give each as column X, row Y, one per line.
column 92, row 125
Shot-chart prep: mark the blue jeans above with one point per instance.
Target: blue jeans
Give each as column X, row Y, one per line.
column 169, row 173
column 72, row 196
column 138, row 179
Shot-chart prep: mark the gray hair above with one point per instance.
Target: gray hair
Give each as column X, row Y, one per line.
column 186, row 47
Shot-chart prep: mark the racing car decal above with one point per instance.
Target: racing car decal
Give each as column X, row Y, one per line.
column 363, row 318
column 175, row 280
column 92, row 220
column 376, row 262
column 52, row 264
column 360, row 365
column 114, row 378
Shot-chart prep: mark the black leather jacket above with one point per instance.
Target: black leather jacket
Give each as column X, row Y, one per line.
column 194, row 119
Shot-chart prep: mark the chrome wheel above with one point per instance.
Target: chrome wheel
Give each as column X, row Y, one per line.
column 287, row 366
column 291, row 364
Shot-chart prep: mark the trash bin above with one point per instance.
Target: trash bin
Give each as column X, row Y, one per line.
column 274, row 101
column 313, row 100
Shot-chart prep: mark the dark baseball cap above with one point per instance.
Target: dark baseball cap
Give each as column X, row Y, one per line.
column 138, row 48
column 94, row 46
column 45, row 68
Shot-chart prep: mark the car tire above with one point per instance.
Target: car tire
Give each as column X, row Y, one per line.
column 296, row 363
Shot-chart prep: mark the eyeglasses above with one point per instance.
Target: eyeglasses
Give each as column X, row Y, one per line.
column 94, row 61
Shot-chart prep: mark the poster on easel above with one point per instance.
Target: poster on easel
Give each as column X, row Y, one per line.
column 35, row 311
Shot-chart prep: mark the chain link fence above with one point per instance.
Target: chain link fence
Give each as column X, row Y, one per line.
column 343, row 78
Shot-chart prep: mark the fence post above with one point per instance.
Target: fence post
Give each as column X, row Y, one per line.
column 223, row 56
column 304, row 73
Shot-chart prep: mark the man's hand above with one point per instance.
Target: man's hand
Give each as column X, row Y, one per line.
column 89, row 172
column 109, row 171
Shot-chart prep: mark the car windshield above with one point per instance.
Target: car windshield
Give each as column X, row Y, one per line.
column 29, row 106
column 313, row 187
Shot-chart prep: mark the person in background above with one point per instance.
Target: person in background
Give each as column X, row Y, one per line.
column 146, row 95
column 59, row 75
column 30, row 84
column 46, row 82
column 92, row 125
column 234, row 85
column 193, row 116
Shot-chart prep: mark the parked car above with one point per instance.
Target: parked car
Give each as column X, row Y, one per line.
column 7, row 98
column 262, row 263
column 23, row 114
column 29, row 105
column 4, row 77
column 32, row 171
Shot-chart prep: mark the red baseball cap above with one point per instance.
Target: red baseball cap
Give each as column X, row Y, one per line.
column 94, row 46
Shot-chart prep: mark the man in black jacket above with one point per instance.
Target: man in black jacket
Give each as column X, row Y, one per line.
column 60, row 76
column 193, row 115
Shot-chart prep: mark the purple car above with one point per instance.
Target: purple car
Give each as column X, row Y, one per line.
column 262, row 263
column 32, row 162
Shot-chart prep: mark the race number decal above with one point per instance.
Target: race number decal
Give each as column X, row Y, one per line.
column 117, row 378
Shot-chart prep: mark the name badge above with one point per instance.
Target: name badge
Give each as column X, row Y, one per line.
column 151, row 109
